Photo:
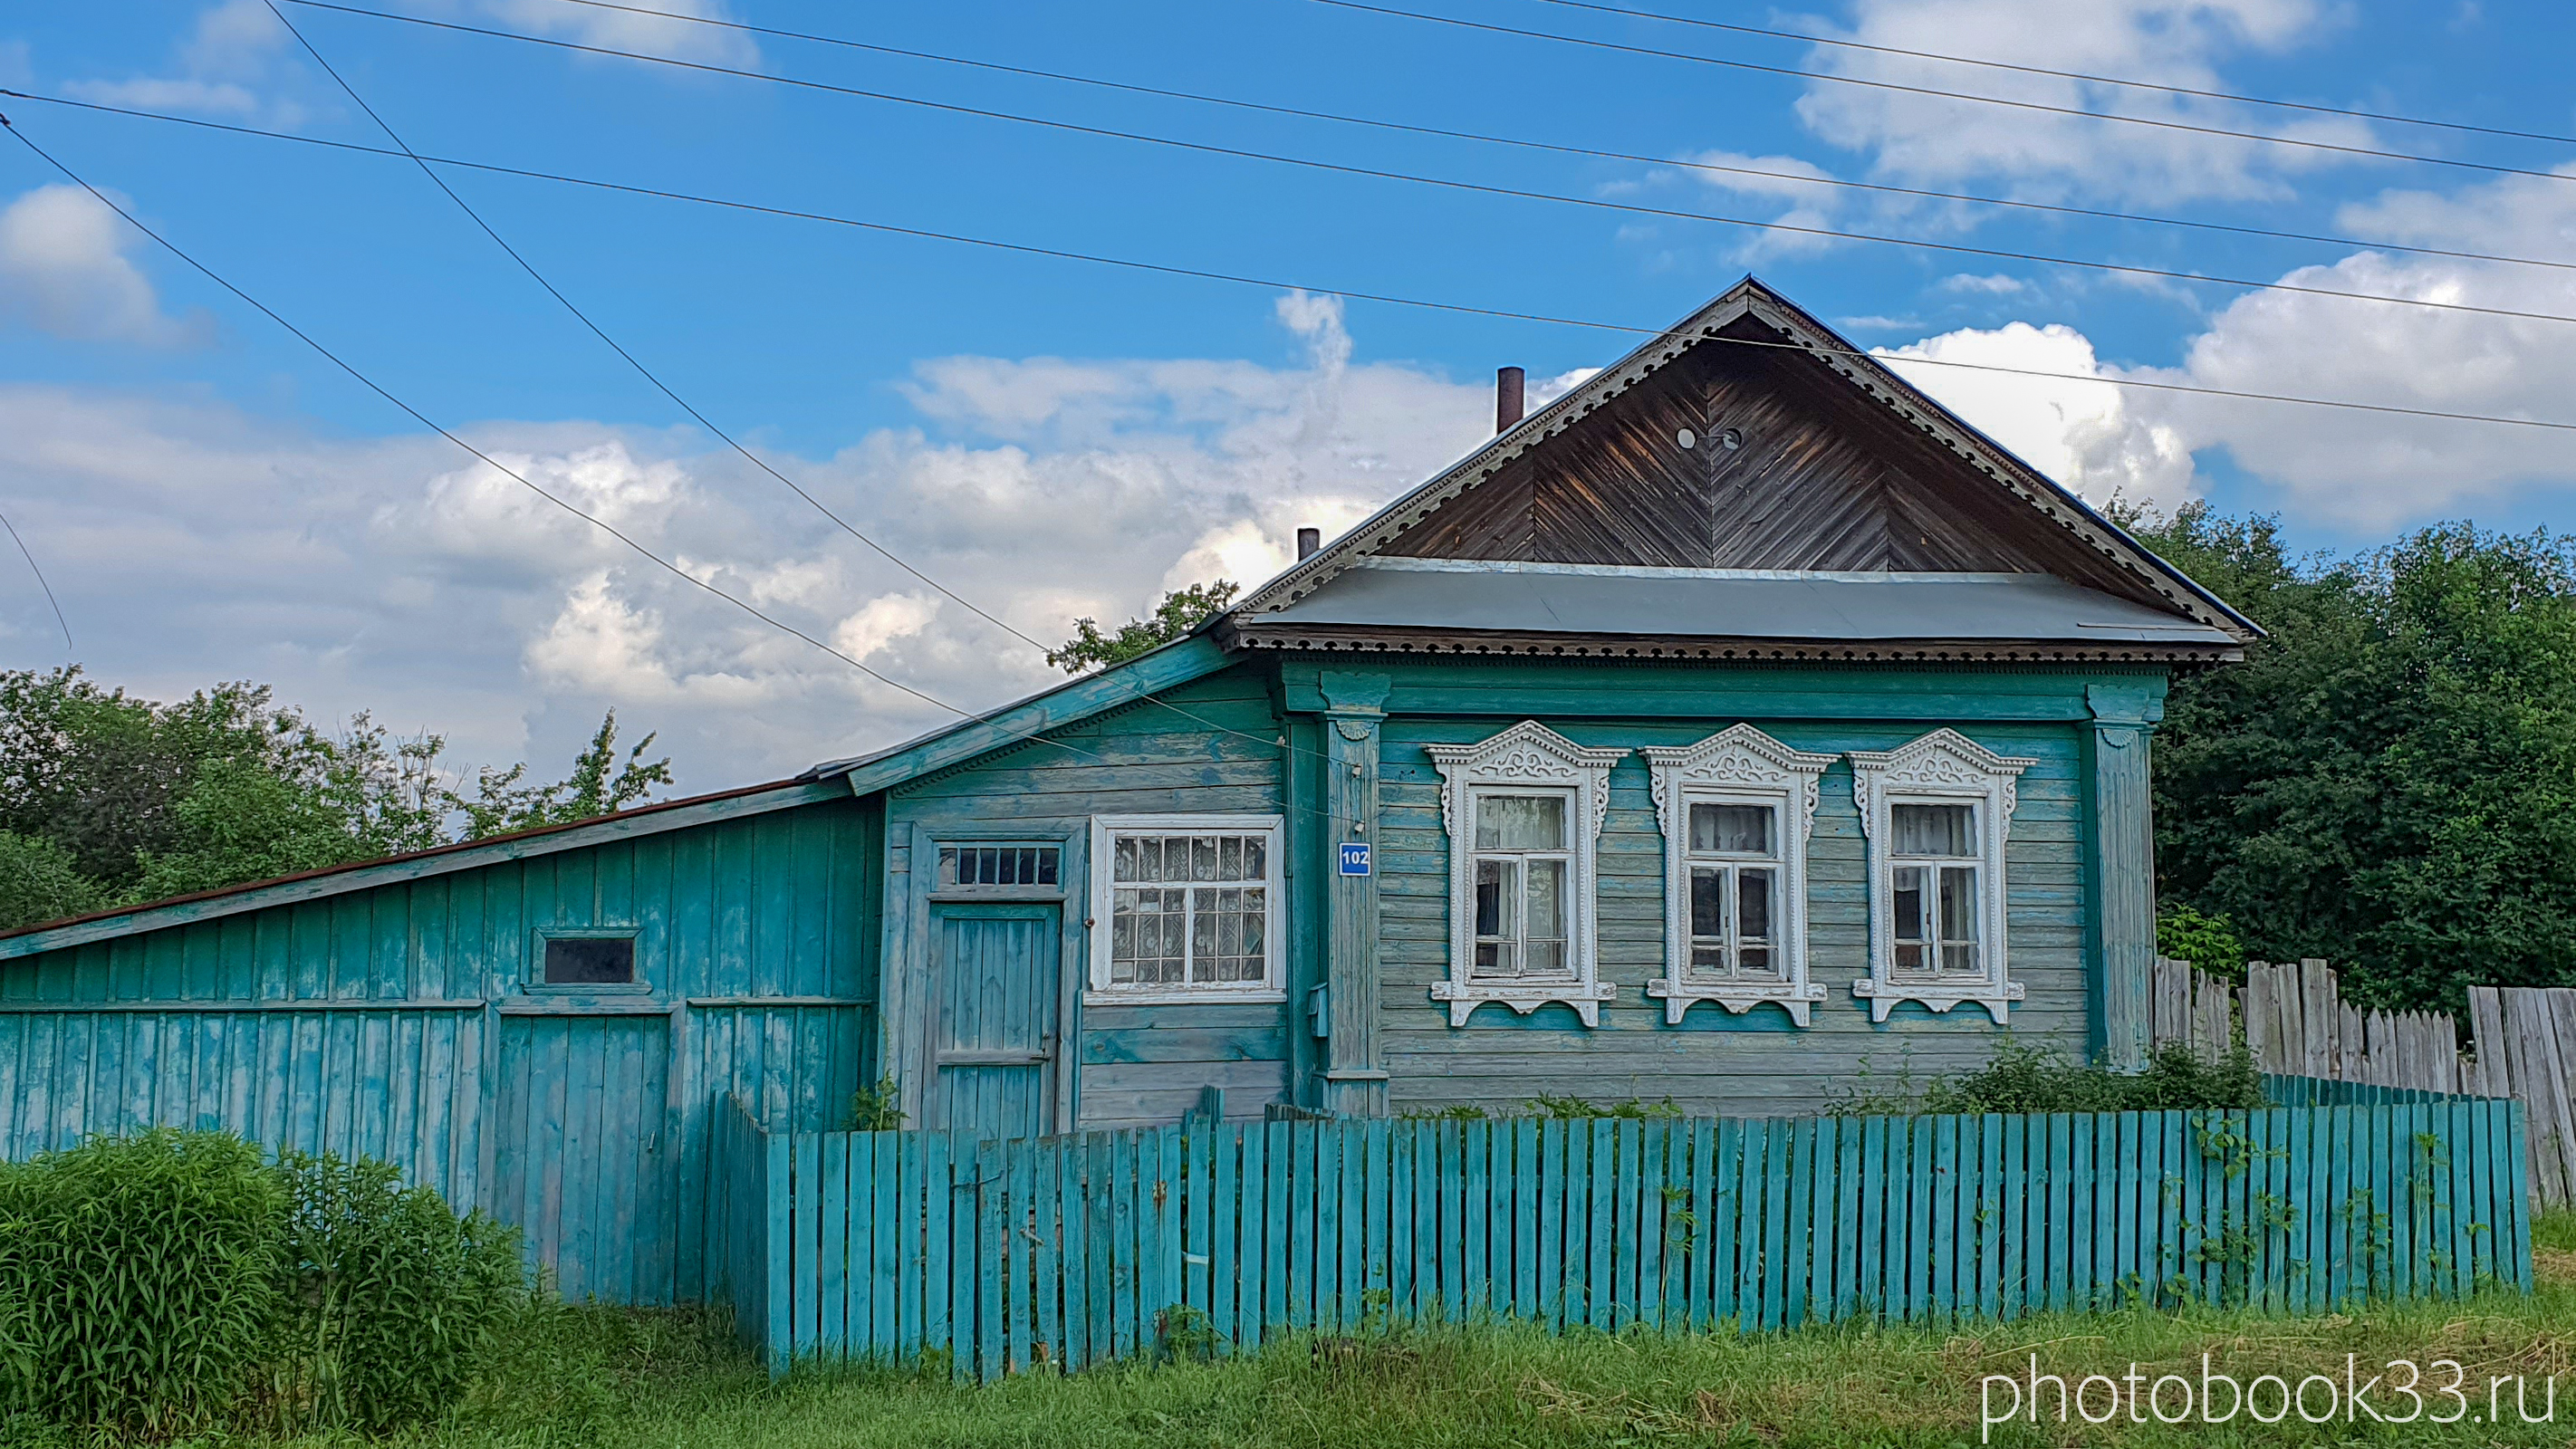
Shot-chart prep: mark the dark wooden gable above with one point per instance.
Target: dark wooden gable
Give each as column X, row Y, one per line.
column 1824, row 478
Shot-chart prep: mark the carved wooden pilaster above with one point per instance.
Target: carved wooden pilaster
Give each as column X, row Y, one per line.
column 2121, row 846
column 1354, row 1074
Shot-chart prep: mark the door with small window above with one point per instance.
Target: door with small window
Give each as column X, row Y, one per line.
column 582, row 1164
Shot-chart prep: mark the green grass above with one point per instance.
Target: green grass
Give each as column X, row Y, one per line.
column 660, row 1380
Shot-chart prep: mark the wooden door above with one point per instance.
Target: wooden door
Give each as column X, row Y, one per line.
column 993, row 1016
column 582, row 1165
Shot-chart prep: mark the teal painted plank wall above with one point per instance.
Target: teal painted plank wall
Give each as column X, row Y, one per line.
column 1208, row 745
column 377, row 1021
column 1715, row 1062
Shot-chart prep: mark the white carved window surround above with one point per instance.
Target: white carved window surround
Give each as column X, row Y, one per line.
column 1937, row 812
column 1524, row 812
column 1736, row 811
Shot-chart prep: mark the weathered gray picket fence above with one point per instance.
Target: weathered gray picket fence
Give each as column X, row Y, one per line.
column 1070, row 1251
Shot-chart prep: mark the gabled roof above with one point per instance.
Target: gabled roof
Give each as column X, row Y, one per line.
column 2052, row 523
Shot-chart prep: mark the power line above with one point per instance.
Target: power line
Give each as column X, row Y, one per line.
column 1592, row 152
column 1449, row 183
column 68, row 646
column 631, row 360
column 2074, row 75
column 424, row 420
column 1276, row 284
column 970, row 717
column 1849, row 80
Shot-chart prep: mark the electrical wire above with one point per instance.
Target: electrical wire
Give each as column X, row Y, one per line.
column 41, row 582
column 1276, row 284
column 1449, row 183
column 1841, row 43
column 965, row 716
column 1829, row 77
column 426, row 421
column 615, row 346
column 1554, row 148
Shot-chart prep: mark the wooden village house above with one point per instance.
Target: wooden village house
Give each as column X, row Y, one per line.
column 1735, row 720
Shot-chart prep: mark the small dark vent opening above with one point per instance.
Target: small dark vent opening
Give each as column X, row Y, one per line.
column 590, row 961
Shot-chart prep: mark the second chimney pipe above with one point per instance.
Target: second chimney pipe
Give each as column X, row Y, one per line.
column 1308, row 540
column 1507, row 397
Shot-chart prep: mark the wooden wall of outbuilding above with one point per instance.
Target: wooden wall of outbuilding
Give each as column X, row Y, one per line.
column 381, row 1022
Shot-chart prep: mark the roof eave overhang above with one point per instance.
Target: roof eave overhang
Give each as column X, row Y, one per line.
column 1386, row 639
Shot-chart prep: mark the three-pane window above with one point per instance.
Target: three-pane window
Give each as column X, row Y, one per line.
column 1735, row 892
column 1935, row 878
column 1190, row 909
column 1524, row 864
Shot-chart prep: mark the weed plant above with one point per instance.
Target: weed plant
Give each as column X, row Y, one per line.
column 2030, row 1078
column 169, row 1284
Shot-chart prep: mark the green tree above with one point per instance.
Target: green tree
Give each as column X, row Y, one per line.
column 106, row 798
column 1181, row 611
column 599, row 784
column 40, row 881
column 2388, row 780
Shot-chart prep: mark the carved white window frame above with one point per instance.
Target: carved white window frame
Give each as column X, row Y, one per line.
column 1944, row 767
column 1528, row 755
column 1739, row 765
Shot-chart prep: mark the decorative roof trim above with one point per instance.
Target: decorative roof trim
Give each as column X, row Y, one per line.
column 1750, row 298
column 1389, row 639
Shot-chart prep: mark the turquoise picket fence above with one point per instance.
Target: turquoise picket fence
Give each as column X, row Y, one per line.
column 1063, row 1252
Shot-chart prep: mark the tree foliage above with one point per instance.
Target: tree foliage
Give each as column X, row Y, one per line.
column 107, row 798
column 2389, row 779
column 1181, row 611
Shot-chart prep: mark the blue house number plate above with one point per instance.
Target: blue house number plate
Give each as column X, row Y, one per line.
column 1355, row 857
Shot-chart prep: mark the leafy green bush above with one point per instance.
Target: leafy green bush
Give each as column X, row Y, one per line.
column 169, row 1283
column 146, row 1274
column 2208, row 942
column 394, row 1301
column 2032, row 1078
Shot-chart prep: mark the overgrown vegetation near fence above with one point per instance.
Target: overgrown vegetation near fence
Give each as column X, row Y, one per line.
column 998, row 1257
column 173, row 1283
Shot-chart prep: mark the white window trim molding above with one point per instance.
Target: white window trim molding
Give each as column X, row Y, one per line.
column 1101, row 991
column 1943, row 767
column 1743, row 766
column 1529, row 754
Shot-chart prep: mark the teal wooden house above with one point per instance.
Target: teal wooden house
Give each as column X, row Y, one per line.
column 1738, row 718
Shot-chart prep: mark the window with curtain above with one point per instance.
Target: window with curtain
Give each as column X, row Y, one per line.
column 1185, row 905
column 1936, row 900
column 1524, row 863
column 1734, row 853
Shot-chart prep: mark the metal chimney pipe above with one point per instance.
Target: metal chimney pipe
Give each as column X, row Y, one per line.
column 1308, row 540
column 1507, row 397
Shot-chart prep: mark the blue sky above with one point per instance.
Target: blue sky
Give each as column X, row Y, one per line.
column 1054, row 438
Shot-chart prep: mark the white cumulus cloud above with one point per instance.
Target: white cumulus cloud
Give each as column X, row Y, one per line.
column 64, row 269
column 2037, row 154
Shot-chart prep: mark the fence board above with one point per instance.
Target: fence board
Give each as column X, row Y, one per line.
column 1074, row 1251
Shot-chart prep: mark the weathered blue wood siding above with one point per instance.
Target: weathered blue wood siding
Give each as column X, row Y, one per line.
column 1209, row 745
column 382, row 1021
column 1715, row 1062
